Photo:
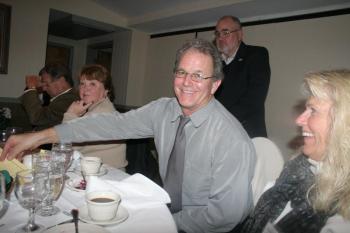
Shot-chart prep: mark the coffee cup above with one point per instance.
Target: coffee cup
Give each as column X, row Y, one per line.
column 102, row 205
column 90, row 165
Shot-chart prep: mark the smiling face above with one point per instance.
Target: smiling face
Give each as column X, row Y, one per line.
column 193, row 95
column 315, row 122
column 91, row 91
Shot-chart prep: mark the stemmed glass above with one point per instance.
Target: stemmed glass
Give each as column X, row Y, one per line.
column 45, row 162
column 63, row 152
column 30, row 190
column 2, row 192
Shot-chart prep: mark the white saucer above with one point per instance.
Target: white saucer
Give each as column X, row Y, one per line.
column 72, row 184
column 103, row 171
column 121, row 216
column 83, row 227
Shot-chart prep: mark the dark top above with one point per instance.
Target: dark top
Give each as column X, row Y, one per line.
column 42, row 117
column 244, row 89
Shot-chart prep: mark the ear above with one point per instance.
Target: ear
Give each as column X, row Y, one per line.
column 106, row 93
column 215, row 86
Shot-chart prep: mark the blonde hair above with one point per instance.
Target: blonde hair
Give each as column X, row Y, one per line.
column 331, row 192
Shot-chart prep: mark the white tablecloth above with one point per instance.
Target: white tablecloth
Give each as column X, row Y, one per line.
column 152, row 219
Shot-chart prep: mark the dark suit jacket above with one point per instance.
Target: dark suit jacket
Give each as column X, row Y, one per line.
column 42, row 117
column 244, row 89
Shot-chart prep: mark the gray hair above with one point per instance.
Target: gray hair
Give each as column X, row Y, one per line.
column 204, row 47
column 233, row 18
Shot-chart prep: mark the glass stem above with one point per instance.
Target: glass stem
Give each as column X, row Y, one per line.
column 31, row 220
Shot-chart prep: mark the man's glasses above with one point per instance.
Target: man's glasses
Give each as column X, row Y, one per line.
column 224, row 33
column 195, row 77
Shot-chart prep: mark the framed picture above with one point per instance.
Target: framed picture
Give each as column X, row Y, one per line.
column 5, row 17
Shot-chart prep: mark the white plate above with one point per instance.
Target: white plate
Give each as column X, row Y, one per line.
column 72, row 184
column 103, row 171
column 122, row 215
column 83, row 227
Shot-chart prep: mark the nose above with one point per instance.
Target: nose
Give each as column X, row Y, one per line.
column 187, row 79
column 302, row 118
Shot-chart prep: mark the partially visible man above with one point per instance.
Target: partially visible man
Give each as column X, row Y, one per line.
column 57, row 83
column 247, row 76
column 208, row 177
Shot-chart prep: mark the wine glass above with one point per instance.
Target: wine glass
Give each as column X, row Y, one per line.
column 45, row 162
column 3, row 138
column 30, row 190
column 63, row 152
column 2, row 191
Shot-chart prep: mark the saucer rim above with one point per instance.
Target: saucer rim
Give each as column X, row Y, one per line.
column 73, row 188
column 114, row 221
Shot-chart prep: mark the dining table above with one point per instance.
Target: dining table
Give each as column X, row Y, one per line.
column 141, row 218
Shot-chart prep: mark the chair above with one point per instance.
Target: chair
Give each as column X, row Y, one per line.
column 268, row 166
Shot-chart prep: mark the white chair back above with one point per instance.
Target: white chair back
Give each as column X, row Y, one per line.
column 268, row 166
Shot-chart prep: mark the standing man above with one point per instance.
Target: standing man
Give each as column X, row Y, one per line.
column 57, row 83
column 206, row 159
column 247, row 76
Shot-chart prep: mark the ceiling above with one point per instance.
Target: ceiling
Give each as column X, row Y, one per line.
column 161, row 16
column 74, row 27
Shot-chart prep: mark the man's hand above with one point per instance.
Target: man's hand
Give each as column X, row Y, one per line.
column 32, row 81
column 19, row 144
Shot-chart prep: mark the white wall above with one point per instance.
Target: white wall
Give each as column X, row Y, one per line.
column 295, row 48
column 28, row 36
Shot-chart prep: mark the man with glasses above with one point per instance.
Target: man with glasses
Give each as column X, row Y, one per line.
column 247, row 76
column 55, row 80
column 206, row 159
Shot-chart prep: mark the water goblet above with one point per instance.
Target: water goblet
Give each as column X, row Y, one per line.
column 3, row 138
column 63, row 152
column 2, row 191
column 30, row 190
column 45, row 162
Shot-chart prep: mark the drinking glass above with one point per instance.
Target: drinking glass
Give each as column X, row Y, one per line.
column 30, row 190
column 63, row 152
column 13, row 130
column 45, row 162
column 3, row 138
column 2, row 191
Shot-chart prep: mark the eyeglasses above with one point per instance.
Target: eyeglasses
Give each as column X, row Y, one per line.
column 195, row 77
column 224, row 33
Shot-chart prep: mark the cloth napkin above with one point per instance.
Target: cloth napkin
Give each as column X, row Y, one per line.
column 136, row 191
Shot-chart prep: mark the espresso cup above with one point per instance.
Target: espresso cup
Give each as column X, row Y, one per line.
column 90, row 165
column 102, row 205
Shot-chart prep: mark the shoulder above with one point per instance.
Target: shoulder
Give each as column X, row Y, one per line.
column 336, row 224
column 226, row 123
column 104, row 106
column 254, row 48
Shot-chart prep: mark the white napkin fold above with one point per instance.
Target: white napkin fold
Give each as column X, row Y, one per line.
column 136, row 191
column 75, row 160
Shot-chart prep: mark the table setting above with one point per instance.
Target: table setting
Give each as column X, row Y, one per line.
column 85, row 195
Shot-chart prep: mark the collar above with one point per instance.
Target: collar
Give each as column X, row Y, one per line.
column 94, row 105
column 53, row 98
column 315, row 165
column 228, row 60
column 198, row 117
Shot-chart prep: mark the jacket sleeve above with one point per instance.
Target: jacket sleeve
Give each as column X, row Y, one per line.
column 45, row 116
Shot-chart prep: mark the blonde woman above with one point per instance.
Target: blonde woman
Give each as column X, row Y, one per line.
column 312, row 193
column 95, row 90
